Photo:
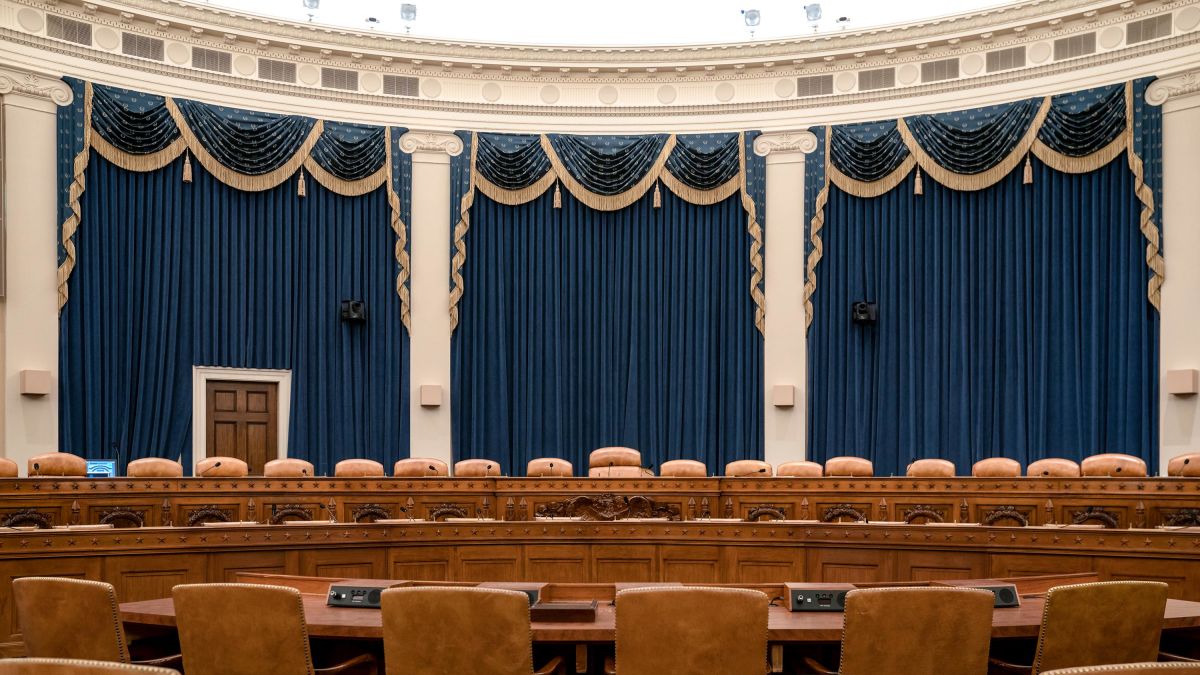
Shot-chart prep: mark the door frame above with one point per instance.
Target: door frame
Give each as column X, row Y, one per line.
column 200, row 377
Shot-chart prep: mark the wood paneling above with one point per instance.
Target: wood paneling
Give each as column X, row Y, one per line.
column 558, row 563
column 224, row 567
column 422, row 563
column 1183, row 581
column 691, row 564
column 761, row 564
column 242, row 421
column 75, row 568
column 934, row 565
column 495, row 562
column 859, row 565
column 139, row 577
column 349, row 563
column 1032, row 565
column 632, row 562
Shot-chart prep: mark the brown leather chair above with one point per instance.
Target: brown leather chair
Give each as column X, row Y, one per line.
column 476, row 468
column 1097, row 624
column 1113, row 464
column 954, row 625
column 57, row 464
column 615, row 462
column 435, row 630
column 358, row 468
column 748, row 468
column 154, row 467
column 1184, row 465
column 855, row 467
column 708, row 630
column 420, row 467
column 683, row 468
column 800, row 469
column 549, row 467
column 248, row 629
column 931, row 468
column 996, row 467
column 1176, row 668
column 73, row 619
column 221, row 467
column 8, row 468
column 75, row 667
column 1053, row 467
column 288, row 467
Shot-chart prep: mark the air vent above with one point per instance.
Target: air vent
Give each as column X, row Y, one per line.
column 211, row 59
column 883, row 78
column 70, row 30
column 1148, row 29
column 277, row 71
column 1074, row 46
column 336, row 78
column 936, row 71
column 397, row 85
column 816, row 85
column 141, row 46
column 1006, row 59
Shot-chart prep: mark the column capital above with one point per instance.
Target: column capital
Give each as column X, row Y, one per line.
column 797, row 140
column 416, row 140
column 1179, row 85
column 35, row 85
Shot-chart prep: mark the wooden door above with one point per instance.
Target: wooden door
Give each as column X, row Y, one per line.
column 242, row 421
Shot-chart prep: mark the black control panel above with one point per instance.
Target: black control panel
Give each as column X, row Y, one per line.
column 354, row 596
column 817, row 599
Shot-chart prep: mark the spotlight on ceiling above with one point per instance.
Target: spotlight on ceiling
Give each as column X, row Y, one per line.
column 813, row 12
column 311, row 6
column 752, row 17
column 408, row 12
column 843, row 21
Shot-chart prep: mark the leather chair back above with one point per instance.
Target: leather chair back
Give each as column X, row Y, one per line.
column 1053, row 467
column 476, row 468
column 242, row 629
column 436, row 630
column 8, row 468
column 996, row 467
column 57, row 464
column 1184, row 465
column 931, row 468
column 358, row 468
column 614, row 456
column 800, row 469
column 683, row 468
column 75, row 667
column 1113, row 464
column 154, row 467
column 420, row 467
column 1100, row 623
column 916, row 631
column 549, row 467
column 682, row 629
column 288, row 467
column 70, row 619
column 856, row 467
column 748, row 468
column 221, row 467
column 1166, row 668
column 618, row 472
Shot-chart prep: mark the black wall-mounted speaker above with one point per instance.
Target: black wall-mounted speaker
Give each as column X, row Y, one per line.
column 862, row 311
column 354, row 311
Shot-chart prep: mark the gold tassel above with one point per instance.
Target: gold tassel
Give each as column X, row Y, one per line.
column 557, row 197
column 918, row 184
column 1028, row 171
column 301, row 190
column 657, row 196
column 187, row 167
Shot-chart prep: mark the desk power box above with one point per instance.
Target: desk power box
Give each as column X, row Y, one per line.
column 346, row 595
column 817, row 597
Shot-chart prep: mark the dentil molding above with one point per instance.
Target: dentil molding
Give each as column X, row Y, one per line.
column 800, row 140
column 36, row 85
column 1173, row 86
column 431, row 141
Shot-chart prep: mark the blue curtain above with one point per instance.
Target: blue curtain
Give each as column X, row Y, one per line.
column 582, row 329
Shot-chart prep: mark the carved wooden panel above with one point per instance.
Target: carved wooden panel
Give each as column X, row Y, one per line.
column 691, row 564
column 75, row 568
column 763, row 564
column 491, row 562
column 561, row 563
column 150, row 577
column 369, row 512
column 933, row 565
column 624, row 562
column 352, row 563
column 421, row 563
column 834, row 565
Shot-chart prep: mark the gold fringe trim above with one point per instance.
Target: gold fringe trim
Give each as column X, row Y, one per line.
column 460, row 235
column 1085, row 164
column 606, row 202
column 874, row 188
column 814, row 236
column 348, row 188
column 513, row 197
column 700, row 197
column 78, row 184
column 141, row 163
column 401, row 230
column 1154, row 259
column 756, row 240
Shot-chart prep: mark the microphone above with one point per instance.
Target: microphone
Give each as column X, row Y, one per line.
column 205, row 472
column 37, row 469
column 751, row 473
column 304, row 472
column 550, row 468
column 610, row 466
column 432, row 469
column 487, row 470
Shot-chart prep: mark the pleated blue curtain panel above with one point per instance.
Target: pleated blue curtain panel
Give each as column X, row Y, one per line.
column 1017, row 310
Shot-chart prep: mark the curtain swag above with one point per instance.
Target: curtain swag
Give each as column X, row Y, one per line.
column 514, row 169
column 871, row 160
column 245, row 150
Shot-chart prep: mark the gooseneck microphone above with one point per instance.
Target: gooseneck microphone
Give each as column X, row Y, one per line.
column 751, row 473
column 205, row 472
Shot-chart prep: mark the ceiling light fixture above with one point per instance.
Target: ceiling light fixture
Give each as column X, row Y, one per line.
column 312, row 6
column 408, row 12
column 752, row 17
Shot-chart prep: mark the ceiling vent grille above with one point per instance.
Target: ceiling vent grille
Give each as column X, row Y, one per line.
column 211, row 59
column 883, row 78
column 1074, row 46
column 816, row 85
column 1005, row 59
column 336, row 78
column 936, row 71
column 1148, row 29
column 277, row 71
column 70, row 30
column 399, row 85
column 141, row 46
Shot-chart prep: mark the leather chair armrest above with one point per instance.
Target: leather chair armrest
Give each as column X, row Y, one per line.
column 998, row 667
column 173, row 661
column 811, row 665
column 363, row 663
column 552, row 667
column 1165, row 656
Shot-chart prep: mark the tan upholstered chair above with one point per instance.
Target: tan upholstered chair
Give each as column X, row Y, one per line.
column 1184, row 465
column 73, row 619
column 615, row 462
column 436, row 630
column 1097, row 624
column 546, row 467
column 248, row 629
column 682, row 630
column 76, row 667
column 683, row 468
column 856, row 467
column 288, row 467
column 1114, row 465
column 57, row 464
column 154, row 467
column 1133, row 669
column 996, row 467
column 800, row 469
column 476, row 468
column 358, row 468
column 931, row 468
column 8, row 468
column 420, row 467
column 748, row 468
column 221, row 467
column 1053, row 467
